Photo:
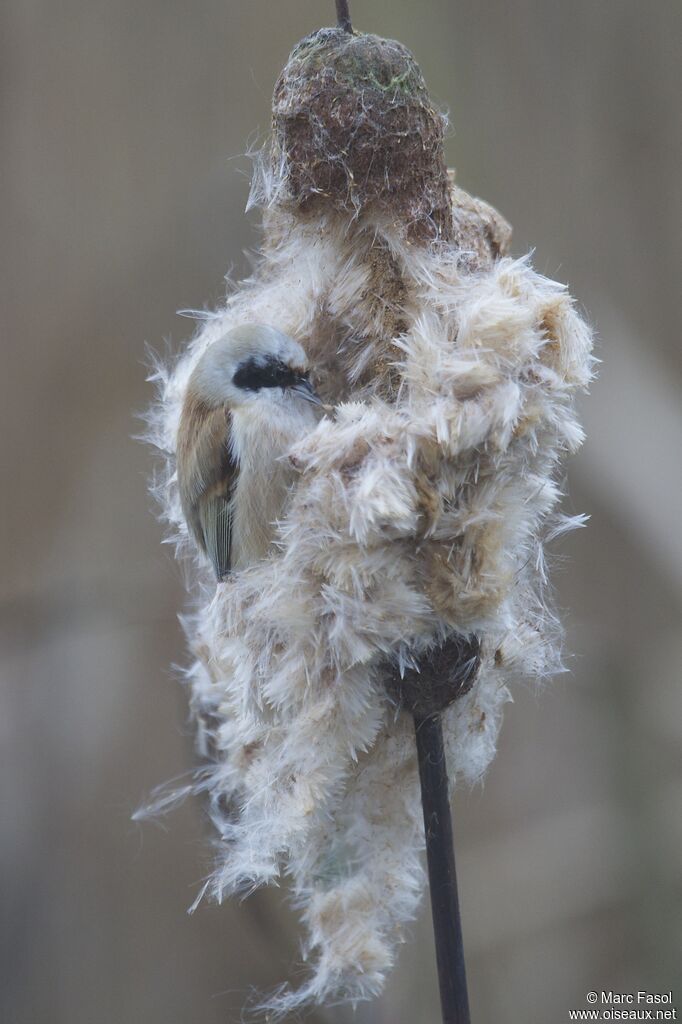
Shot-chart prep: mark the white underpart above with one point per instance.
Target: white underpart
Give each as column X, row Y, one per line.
column 310, row 754
column 263, row 432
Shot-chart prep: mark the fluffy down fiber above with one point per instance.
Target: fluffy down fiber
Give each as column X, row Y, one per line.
column 420, row 508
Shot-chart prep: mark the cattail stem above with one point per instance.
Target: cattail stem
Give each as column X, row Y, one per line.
column 440, row 854
column 343, row 16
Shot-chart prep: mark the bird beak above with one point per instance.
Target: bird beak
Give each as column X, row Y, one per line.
column 304, row 388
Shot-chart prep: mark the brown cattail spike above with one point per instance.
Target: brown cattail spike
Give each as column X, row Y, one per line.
column 445, row 673
column 354, row 129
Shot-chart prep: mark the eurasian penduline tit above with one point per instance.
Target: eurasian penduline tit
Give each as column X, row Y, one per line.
column 248, row 400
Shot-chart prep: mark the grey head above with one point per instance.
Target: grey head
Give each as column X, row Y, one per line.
column 252, row 361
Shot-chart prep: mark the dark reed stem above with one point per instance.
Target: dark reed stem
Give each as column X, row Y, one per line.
column 343, row 16
column 440, row 855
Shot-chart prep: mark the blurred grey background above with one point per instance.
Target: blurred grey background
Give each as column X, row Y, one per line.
column 122, row 197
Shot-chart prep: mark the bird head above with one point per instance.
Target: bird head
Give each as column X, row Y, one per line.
column 249, row 363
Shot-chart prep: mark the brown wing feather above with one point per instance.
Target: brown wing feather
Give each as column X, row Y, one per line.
column 207, row 474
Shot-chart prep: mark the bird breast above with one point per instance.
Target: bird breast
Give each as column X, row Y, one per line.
column 261, row 438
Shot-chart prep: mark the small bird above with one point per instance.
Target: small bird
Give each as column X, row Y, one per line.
column 249, row 398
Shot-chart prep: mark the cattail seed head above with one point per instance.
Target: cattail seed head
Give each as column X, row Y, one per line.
column 354, row 128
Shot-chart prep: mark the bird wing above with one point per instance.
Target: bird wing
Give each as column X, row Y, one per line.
column 215, row 516
column 207, row 473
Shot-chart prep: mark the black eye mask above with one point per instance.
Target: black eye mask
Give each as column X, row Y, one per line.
column 252, row 375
